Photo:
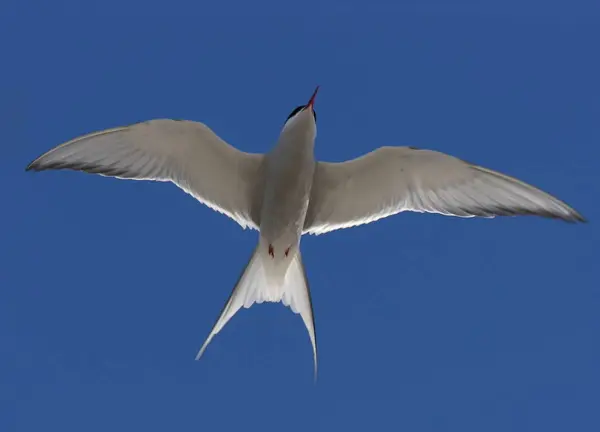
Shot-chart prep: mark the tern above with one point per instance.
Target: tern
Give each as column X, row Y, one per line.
column 286, row 193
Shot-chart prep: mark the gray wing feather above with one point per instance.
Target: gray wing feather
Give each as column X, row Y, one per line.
column 186, row 153
column 391, row 180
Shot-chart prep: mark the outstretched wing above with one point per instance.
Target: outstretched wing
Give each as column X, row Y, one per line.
column 391, row 180
column 186, row 153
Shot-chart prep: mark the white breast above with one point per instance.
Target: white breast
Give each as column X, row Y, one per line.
column 289, row 174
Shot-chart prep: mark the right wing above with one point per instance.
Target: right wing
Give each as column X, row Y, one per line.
column 186, row 153
column 391, row 180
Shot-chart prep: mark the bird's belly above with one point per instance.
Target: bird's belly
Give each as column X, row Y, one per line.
column 285, row 203
column 284, row 210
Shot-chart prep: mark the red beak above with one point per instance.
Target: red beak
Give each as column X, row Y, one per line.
column 311, row 102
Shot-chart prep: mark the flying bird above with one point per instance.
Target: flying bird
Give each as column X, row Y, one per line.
column 287, row 193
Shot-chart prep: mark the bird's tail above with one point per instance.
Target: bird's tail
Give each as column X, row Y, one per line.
column 254, row 286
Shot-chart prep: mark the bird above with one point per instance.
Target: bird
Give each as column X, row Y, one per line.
column 286, row 193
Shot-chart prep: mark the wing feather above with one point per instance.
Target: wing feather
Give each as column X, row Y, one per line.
column 186, row 153
column 391, row 180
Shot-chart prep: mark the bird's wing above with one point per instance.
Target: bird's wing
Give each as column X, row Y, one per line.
column 186, row 153
column 390, row 180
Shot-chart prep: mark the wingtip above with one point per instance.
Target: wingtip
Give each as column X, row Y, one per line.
column 580, row 218
column 37, row 165
column 575, row 217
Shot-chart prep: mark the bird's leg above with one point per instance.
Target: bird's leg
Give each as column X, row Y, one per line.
column 287, row 251
column 271, row 251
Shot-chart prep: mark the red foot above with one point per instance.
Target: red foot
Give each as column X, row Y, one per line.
column 271, row 251
column 287, row 251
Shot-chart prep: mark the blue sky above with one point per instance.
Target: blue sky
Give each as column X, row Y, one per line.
column 424, row 322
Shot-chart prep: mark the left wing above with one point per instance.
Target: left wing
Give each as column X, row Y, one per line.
column 391, row 180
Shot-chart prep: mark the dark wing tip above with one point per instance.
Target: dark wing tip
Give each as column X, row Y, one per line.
column 91, row 168
column 37, row 165
column 572, row 217
column 34, row 166
column 579, row 218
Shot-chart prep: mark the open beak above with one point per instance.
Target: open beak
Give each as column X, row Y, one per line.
column 311, row 102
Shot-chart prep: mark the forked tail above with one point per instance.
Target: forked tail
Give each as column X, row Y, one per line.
column 254, row 286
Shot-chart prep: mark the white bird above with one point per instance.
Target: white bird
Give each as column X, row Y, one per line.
column 286, row 193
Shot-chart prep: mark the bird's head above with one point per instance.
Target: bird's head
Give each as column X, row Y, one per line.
column 303, row 117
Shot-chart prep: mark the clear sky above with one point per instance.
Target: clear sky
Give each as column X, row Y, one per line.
column 424, row 322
